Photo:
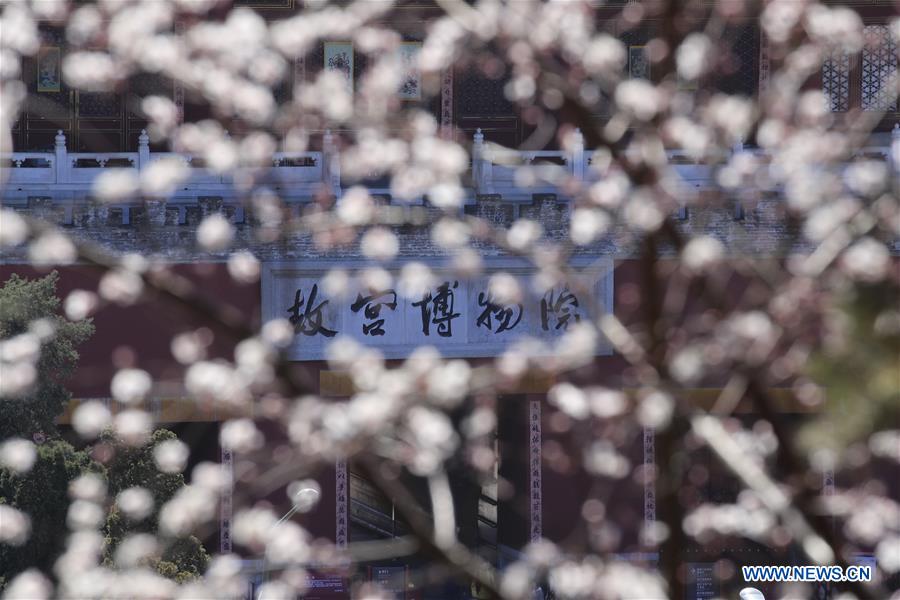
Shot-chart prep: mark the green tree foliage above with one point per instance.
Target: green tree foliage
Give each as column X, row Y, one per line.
column 23, row 302
column 858, row 369
column 42, row 493
column 182, row 558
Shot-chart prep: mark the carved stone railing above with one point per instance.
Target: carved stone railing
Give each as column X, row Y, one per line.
column 70, row 175
column 512, row 174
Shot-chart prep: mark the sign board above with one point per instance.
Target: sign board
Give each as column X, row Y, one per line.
column 701, row 582
column 458, row 316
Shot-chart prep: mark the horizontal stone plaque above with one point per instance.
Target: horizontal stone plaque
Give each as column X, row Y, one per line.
column 459, row 316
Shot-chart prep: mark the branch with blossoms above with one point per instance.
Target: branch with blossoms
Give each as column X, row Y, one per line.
column 421, row 417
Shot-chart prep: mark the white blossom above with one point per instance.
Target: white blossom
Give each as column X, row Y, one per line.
column 215, row 233
column 171, row 456
column 13, row 228
column 131, row 386
column 79, row 304
column 51, row 248
column 243, row 267
column 132, row 427
column 18, row 455
column 121, row 286
column 15, row 526
column 136, row 502
column 379, row 243
column 90, row 487
column 84, row 514
column 701, row 253
column 115, row 185
column 29, row 585
column 241, row 435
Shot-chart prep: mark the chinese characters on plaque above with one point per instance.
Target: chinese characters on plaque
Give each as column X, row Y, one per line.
column 558, row 309
column 458, row 316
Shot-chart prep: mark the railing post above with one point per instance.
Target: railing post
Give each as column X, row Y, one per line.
column 481, row 165
column 578, row 155
column 331, row 164
column 62, row 158
column 143, row 150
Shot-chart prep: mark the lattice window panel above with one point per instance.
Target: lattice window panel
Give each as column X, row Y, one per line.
column 836, row 81
column 879, row 64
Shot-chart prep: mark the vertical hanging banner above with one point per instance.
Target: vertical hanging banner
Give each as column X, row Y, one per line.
column 458, row 316
column 341, row 495
column 339, row 58
column 534, row 471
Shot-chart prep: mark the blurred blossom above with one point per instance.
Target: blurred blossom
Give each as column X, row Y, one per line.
column 732, row 115
column 702, row 252
column 601, row 458
column 433, row 437
column 688, row 364
column 163, row 116
column 446, row 195
column 84, row 514
column 448, row 385
column 655, row 410
column 17, row 380
column 88, row 486
column 191, row 507
column 115, row 185
column 136, row 502
column 28, row 585
column 215, row 233
column 505, row 288
column 570, row 400
column 92, row 71
column 379, row 243
column 18, row 455
column 136, row 548
column 605, row 56
column 162, row 177
column 243, row 267
column 415, row 280
column 91, row 418
column 839, row 27
column 639, row 99
column 693, row 56
column 170, row 456
column 523, row 234
column 132, row 427
column 13, row 229
column 887, row 553
column 642, row 211
column 450, row 233
column 79, row 304
column 51, row 248
column 886, row 444
column 131, row 386
column 867, row 260
column 121, row 286
column 241, row 435
column 356, row 207
column 867, row 178
column 587, row 225
column 217, row 382
column 279, row 333
column 15, row 526
column 188, row 348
